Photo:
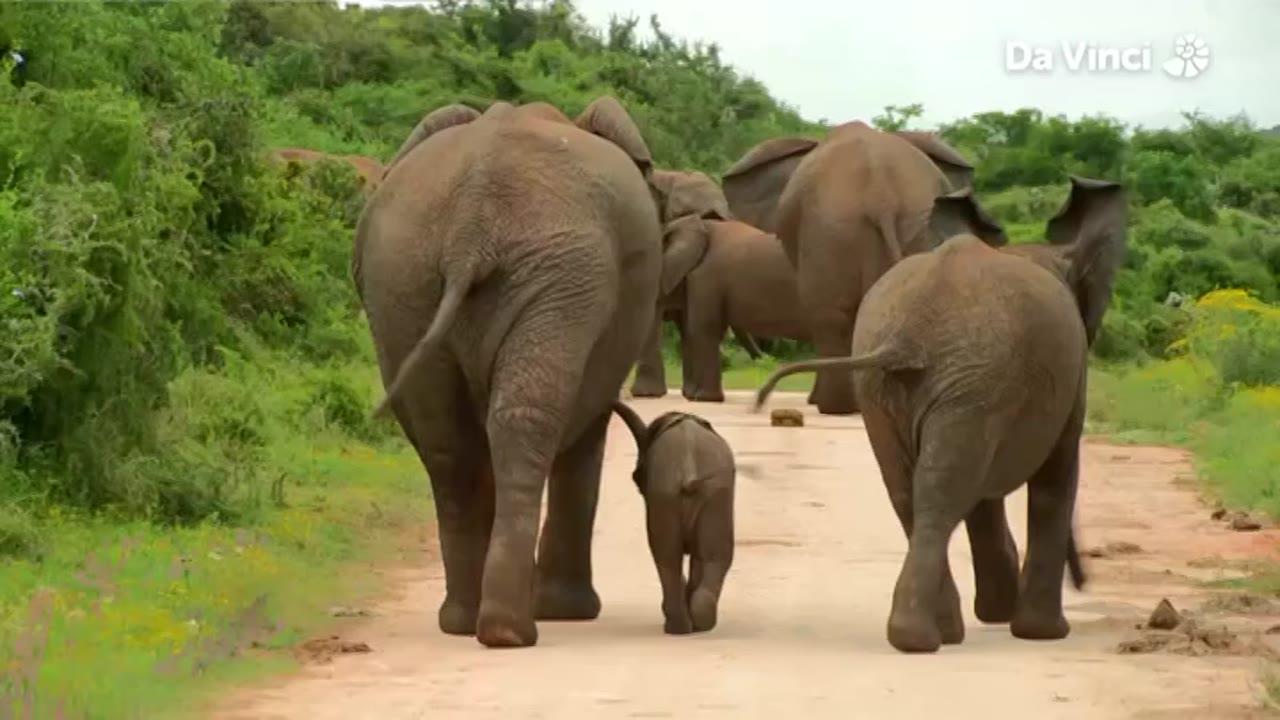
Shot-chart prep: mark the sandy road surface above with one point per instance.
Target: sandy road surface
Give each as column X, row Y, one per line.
column 802, row 619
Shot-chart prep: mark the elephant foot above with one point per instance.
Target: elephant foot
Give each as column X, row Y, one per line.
column 996, row 607
column 914, row 633
column 705, row 396
column 458, row 618
column 648, row 389
column 560, row 600
column 499, row 629
column 1028, row 625
column 702, row 610
column 950, row 619
column 679, row 624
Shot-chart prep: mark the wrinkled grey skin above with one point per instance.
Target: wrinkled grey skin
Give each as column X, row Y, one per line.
column 685, row 472
column 509, row 266
column 742, row 281
column 972, row 362
column 846, row 209
column 683, row 197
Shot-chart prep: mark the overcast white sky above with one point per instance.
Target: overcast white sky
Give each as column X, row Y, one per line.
column 841, row 60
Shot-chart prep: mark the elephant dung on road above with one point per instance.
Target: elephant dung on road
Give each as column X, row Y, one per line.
column 972, row 361
column 685, row 472
column 846, row 208
column 509, row 267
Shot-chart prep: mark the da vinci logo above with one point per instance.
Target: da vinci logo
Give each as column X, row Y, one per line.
column 1190, row 57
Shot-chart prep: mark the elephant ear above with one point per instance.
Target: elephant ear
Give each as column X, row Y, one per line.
column 683, row 246
column 1091, row 229
column 754, row 184
column 770, row 151
column 690, row 193
column 958, row 171
column 607, row 118
column 960, row 214
column 434, row 122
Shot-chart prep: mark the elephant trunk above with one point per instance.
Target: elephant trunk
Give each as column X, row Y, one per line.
column 454, row 293
column 889, row 357
column 1073, row 563
column 748, row 343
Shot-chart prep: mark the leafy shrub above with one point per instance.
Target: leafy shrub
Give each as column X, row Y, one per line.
column 20, row 535
column 1032, row 205
column 1253, row 182
column 1239, row 335
column 1184, row 181
column 343, row 401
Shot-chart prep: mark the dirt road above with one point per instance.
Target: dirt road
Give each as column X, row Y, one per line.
column 802, row 619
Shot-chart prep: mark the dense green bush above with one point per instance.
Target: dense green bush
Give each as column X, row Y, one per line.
column 156, row 274
column 1239, row 335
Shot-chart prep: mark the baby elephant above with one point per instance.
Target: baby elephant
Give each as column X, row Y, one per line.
column 685, row 472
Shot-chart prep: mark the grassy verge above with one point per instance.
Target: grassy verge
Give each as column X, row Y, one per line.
column 104, row 618
column 1234, row 433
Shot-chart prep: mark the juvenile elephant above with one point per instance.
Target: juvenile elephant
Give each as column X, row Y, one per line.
column 685, row 472
column 742, row 280
column 509, row 268
column 681, row 197
column 846, row 209
column 971, row 362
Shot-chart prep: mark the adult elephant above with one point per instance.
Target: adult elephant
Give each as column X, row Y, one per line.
column 681, row 197
column 369, row 170
column 972, row 363
column 846, row 208
column 509, row 267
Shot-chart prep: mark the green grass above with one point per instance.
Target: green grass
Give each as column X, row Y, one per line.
column 1233, row 432
column 105, row 618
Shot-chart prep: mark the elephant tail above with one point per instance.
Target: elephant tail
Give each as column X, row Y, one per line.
column 1074, row 568
column 889, row 357
column 634, row 423
column 889, row 233
column 455, row 291
column 747, row 342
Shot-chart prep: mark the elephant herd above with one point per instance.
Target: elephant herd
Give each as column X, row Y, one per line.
column 515, row 265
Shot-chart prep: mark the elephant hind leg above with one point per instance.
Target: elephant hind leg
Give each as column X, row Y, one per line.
column 537, row 375
column 651, row 372
column 897, row 468
column 833, row 390
column 713, row 556
column 995, row 562
column 454, row 451
column 1051, row 496
column 945, row 485
column 564, row 587
column 666, row 544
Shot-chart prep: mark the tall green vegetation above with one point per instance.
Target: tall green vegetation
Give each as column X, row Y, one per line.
column 145, row 240
column 1204, row 214
column 153, row 261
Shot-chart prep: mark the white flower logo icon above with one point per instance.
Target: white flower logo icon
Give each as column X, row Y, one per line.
column 1190, row 57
